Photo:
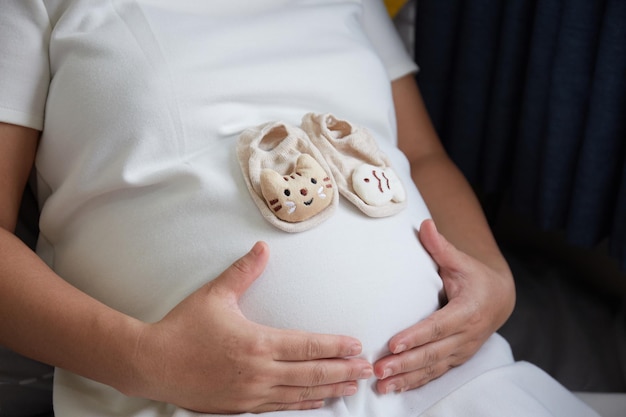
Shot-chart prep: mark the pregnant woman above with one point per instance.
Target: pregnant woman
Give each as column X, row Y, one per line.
column 161, row 133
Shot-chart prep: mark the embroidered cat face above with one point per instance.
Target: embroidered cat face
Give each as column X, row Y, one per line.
column 299, row 195
column 377, row 186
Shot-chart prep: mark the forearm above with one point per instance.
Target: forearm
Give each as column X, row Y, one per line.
column 45, row 318
column 456, row 210
column 448, row 196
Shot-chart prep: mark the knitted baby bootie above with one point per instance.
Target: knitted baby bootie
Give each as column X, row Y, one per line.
column 362, row 171
column 287, row 177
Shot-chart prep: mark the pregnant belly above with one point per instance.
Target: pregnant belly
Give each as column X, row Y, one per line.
column 352, row 275
column 368, row 288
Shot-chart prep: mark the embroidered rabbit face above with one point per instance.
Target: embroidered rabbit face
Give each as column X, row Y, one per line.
column 299, row 195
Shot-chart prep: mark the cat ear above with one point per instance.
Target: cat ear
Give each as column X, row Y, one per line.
column 307, row 162
column 272, row 183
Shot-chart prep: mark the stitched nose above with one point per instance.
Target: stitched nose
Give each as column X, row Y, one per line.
column 304, row 191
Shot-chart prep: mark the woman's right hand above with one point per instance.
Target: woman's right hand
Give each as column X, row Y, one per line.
column 204, row 355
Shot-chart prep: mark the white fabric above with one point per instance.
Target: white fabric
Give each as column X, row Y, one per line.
column 522, row 390
column 142, row 197
column 607, row 404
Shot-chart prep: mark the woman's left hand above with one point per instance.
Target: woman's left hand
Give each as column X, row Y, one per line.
column 479, row 300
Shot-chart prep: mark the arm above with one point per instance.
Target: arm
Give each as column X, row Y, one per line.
column 203, row 355
column 39, row 310
column 477, row 280
column 450, row 199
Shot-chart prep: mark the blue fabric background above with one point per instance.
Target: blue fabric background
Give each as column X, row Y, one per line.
column 529, row 98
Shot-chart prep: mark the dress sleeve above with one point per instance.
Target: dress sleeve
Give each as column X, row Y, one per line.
column 386, row 40
column 24, row 63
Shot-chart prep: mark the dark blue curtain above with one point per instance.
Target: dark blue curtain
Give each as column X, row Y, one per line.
column 529, row 98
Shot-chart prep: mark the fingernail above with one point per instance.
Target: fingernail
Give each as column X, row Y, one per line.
column 366, row 373
column 350, row 390
column 257, row 249
column 318, row 404
column 355, row 349
column 386, row 373
column 399, row 349
column 390, row 388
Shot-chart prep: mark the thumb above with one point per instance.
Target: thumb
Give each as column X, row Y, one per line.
column 238, row 277
column 443, row 252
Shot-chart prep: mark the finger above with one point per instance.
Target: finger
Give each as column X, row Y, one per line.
column 423, row 358
column 323, row 372
column 429, row 236
column 443, row 252
column 281, row 406
column 445, row 322
column 417, row 367
column 293, row 395
column 243, row 272
column 411, row 380
column 292, row 345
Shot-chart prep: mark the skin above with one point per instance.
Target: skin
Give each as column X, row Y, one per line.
column 206, row 356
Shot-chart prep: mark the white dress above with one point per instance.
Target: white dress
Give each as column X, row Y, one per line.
column 142, row 199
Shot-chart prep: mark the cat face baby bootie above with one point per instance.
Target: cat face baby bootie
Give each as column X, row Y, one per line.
column 288, row 178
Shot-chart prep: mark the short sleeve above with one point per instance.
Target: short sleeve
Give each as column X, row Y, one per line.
column 24, row 63
column 386, row 40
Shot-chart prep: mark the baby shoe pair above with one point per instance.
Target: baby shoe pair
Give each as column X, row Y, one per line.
column 295, row 174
